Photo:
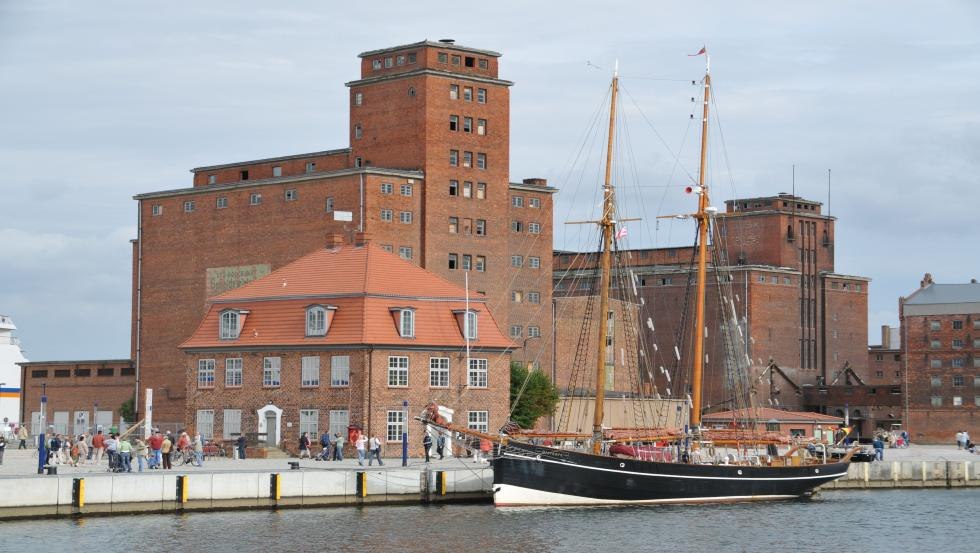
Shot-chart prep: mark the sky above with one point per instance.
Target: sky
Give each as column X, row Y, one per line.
column 100, row 101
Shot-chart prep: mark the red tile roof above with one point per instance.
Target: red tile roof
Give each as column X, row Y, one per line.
column 763, row 414
column 364, row 283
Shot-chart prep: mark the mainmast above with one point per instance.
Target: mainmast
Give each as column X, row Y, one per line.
column 606, row 224
column 697, row 371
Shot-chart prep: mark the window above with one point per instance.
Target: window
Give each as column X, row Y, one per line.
column 310, row 166
column 934, row 344
column 481, row 227
column 389, row 62
column 456, row 59
column 387, row 247
column 308, row 422
column 205, row 423
column 958, row 381
column 328, row 205
column 453, row 123
column 467, row 124
column 156, row 210
column 470, row 325
column 957, row 401
column 517, row 201
column 406, row 189
column 405, row 217
column 467, row 262
column 387, row 188
column 516, row 226
column 976, row 324
column 534, row 202
column 254, row 198
column 934, row 325
column 397, row 371
column 106, row 371
column 386, row 215
column 483, row 63
column 405, row 252
column 879, row 374
column 467, row 94
column 221, row 202
column 291, row 195
column 232, row 426
column 340, row 370
column 316, row 321
column 189, row 207
column 936, row 401
column 310, row 372
column 481, row 161
column 453, row 261
column 957, row 343
column 358, row 131
column 271, row 371
column 376, row 65
column 233, row 373
column 453, row 158
column 453, row 90
column 469, row 61
column 205, row 373
column 358, row 161
column 534, row 262
column 399, row 60
column 478, row 420
column 480, row 264
column 438, row 372
column 229, row 325
column 936, row 382
column 358, row 98
column 453, row 187
column 936, row 363
column 476, row 377
column 958, row 363
column 396, row 426
column 481, row 95
column 534, row 228
column 516, row 331
column 481, row 190
column 467, row 159
column 453, row 225
column 39, row 373
column 516, row 296
column 467, row 189
column 406, row 323
column 212, row 179
column 481, row 127
column 534, row 297
column 957, row 325
column 243, row 175
column 516, row 261
column 339, row 421
column 411, row 57
column 533, row 332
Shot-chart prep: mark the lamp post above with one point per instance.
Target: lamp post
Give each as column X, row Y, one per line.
column 42, row 450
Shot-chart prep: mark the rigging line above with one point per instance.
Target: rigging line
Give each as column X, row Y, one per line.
column 721, row 136
column 657, row 133
column 643, row 78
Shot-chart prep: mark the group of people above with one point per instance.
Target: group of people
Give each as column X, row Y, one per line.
column 332, row 447
column 121, row 451
column 963, row 441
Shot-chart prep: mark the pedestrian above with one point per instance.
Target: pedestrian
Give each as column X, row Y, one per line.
column 165, row 449
column 304, row 445
column 125, row 452
column 375, row 451
column 966, row 440
column 98, row 446
column 141, row 451
column 3, row 447
column 83, row 449
column 111, row 450
column 338, row 447
column 326, row 442
column 241, row 443
column 441, row 445
column 66, row 443
column 198, row 450
column 360, row 444
column 22, row 436
column 154, row 443
column 73, row 451
column 879, row 447
column 54, row 446
column 959, row 440
column 426, row 445
column 905, row 438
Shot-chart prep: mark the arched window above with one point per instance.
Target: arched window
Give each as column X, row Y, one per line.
column 316, row 320
column 229, row 325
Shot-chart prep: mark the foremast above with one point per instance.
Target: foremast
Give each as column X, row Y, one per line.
column 606, row 224
column 697, row 370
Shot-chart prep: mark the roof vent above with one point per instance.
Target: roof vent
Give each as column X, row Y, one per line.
column 447, row 40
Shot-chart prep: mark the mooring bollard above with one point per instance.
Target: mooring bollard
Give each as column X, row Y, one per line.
column 275, row 486
column 78, row 492
column 182, row 489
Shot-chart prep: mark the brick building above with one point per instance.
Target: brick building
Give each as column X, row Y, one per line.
column 81, row 394
column 344, row 336
column 426, row 176
column 940, row 328
column 794, row 308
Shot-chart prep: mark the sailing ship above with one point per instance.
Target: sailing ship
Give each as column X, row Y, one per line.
column 650, row 465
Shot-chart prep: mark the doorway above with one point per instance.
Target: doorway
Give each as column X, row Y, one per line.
column 270, row 425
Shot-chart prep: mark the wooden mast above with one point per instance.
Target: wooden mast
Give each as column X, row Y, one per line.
column 606, row 224
column 697, row 372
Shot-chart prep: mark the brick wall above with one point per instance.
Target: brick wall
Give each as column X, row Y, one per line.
column 76, row 387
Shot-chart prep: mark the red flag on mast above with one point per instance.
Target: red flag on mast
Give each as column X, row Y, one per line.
column 701, row 51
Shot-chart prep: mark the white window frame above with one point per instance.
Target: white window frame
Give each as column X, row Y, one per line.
column 290, row 195
column 534, row 297
column 189, row 206
column 478, row 420
column 516, row 331
column 534, row 228
column 157, row 209
column 405, row 252
column 221, row 202
column 470, row 325
column 438, row 372
column 339, row 421
column 516, row 261
column 397, row 371
column 309, row 421
column 406, row 323
column 276, row 170
column 387, row 188
column 254, row 198
column 533, row 262
column 517, row 201
column 271, row 372
column 405, row 217
column 387, row 215
column 340, row 371
column 534, row 202
column 477, row 375
column 205, row 373
column 229, row 325
column 395, row 426
column 205, row 423
column 231, row 423
column 310, row 371
column 405, row 190
column 233, row 372
column 316, row 320
column 533, row 331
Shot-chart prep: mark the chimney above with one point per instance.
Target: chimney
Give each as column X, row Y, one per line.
column 886, row 337
column 926, row 281
column 536, row 181
column 361, row 239
column 335, row 240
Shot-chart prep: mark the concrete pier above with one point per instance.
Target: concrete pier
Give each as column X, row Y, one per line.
column 910, row 474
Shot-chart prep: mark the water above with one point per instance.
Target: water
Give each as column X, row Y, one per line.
column 838, row 521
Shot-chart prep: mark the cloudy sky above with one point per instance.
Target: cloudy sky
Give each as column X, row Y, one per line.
column 103, row 100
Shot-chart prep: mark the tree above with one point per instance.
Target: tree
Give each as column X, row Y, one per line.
column 128, row 410
column 538, row 399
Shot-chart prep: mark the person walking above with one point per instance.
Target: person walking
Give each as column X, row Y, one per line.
column 426, row 445
column 3, row 447
column 241, row 443
column 375, row 451
column 304, row 445
column 441, row 445
column 154, row 443
column 22, row 436
column 83, row 449
column 165, row 449
column 326, row 442
column 198, row 450
column 338, row 447
column 111, row 450
column 879, row 447
column 140, row 451
column 959, row 440
column 98, row 446
column 360, row 445
column 125, row 452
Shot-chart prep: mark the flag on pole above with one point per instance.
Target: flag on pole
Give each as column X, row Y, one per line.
column 701, row 51
column 621, row 233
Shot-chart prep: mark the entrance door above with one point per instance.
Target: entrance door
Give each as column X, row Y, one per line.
column 270, row 429
column 81, row 423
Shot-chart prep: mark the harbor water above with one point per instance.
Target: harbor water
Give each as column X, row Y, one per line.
column 852, row 520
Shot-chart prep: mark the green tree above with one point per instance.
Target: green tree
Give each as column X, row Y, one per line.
column 538, row 399
column 128, row 410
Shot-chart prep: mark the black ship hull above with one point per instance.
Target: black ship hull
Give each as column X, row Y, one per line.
column 535, row 475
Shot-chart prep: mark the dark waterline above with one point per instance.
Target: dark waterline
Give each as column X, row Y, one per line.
column 936, row 521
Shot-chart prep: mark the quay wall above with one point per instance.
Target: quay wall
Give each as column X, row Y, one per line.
column 909, row 474
column 68, row 495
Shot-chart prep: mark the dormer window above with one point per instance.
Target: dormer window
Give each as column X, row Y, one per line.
column 318, row 318
column 231, row 324
column 405, row 319
column 467, row 321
